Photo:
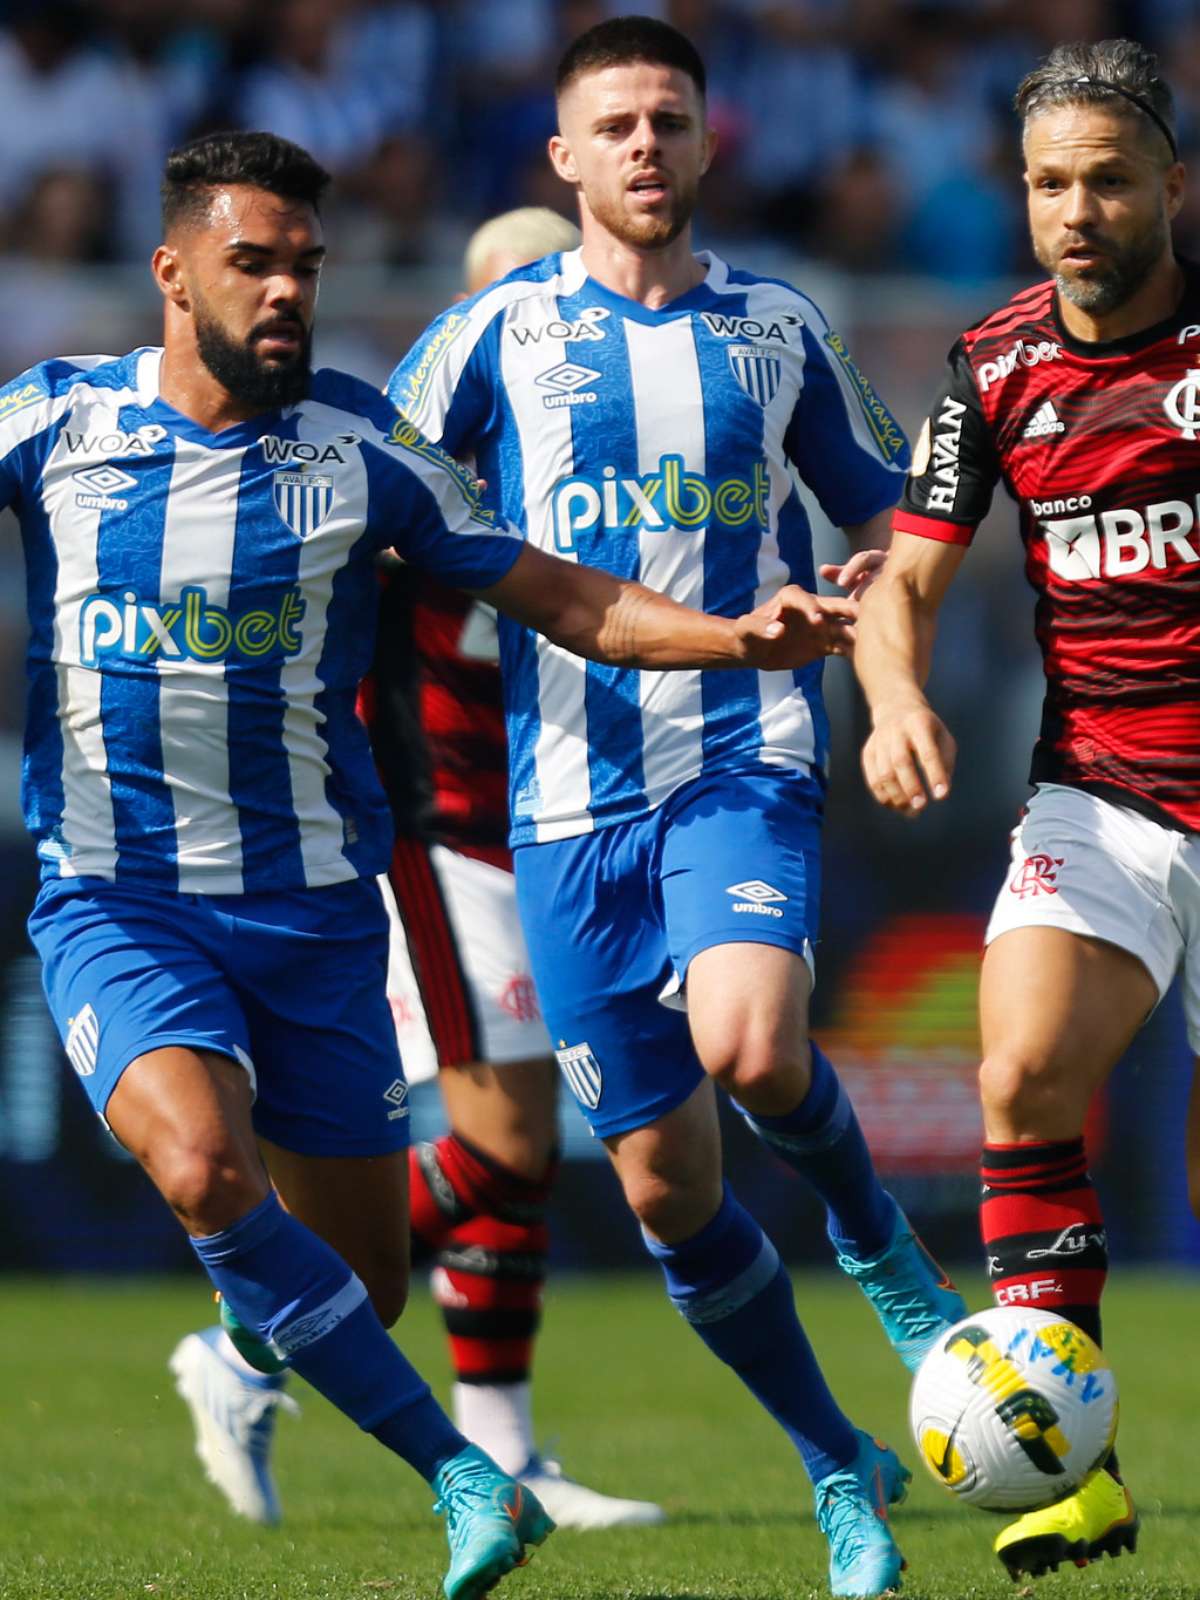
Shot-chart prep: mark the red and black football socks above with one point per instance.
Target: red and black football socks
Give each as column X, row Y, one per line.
column 1043, row 1230
column 487, row 1225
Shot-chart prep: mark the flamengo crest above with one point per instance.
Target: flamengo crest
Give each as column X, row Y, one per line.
column 1182, row 403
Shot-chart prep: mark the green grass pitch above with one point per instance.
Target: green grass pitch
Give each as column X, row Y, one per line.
column 101, row 1498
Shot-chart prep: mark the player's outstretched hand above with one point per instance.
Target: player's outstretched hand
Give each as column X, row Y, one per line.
column 909, row 755
column 854, row 577
column 795, row 627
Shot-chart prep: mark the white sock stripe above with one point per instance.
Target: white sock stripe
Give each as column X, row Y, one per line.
column 313, row 1325
column 808, row 1144
column 738, row 1292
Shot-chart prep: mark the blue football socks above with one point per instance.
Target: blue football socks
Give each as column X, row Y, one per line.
column 286, row 1286
column 729, row 1284
column 821, row 1139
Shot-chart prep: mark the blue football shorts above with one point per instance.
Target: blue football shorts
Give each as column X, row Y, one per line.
column 291, row 985
column 613, row 919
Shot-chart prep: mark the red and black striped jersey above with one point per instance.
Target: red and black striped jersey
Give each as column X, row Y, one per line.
column 434, row 709
column 1099, row 444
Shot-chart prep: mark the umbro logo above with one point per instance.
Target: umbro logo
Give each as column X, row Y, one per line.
column 396, row 1095
column 567, row 383
column 756, row 897
column 103, row 488
column 1043, row 422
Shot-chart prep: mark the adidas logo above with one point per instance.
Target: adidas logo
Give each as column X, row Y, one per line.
column 1043, row 422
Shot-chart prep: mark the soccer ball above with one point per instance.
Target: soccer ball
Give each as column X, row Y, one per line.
column 1012, row 1408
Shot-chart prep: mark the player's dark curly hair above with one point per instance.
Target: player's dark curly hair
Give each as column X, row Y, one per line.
column 623, row 40
column 262, row 160
column 1119, row 74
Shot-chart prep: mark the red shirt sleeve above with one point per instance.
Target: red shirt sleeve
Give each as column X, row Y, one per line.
column 955, row 466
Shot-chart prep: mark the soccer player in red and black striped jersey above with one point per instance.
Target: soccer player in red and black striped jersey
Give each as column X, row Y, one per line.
column 460, row 986
column 1083, row 396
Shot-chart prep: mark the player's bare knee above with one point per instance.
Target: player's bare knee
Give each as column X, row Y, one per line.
column 208, row 1189
column 765, row 1077
column 1027, row 1096
column 665, row 1207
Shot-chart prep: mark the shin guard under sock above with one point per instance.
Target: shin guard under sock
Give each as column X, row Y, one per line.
column 287, row 1287
column 729, row 1284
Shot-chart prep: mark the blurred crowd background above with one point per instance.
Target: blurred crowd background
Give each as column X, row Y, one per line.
column 868, row 153
column 870, row 134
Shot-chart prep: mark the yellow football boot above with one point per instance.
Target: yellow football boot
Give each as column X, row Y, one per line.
column 1097, row 1520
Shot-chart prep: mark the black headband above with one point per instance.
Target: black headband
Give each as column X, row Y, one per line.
column 1137, row 100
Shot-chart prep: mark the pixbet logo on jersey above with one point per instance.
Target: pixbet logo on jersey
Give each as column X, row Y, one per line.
column 668, row 498
column 1117, row 543
column 1022, row 354
column 191, row 629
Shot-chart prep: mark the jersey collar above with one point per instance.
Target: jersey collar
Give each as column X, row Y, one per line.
column 715, row 276
column 1187, row 311
column 238, row 434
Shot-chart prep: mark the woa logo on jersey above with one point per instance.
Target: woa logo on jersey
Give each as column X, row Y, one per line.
column 191, row 629
column 672, row 497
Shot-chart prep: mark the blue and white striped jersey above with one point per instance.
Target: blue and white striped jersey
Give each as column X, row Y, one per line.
column 659, row 445
column 202, row 608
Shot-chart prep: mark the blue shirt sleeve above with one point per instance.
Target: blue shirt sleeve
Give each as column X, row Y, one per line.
column 844, row 441
column 22, row 425
column 445, row 384
column 430, row 509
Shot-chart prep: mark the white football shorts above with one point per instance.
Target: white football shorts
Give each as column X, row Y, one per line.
column 1099, row 869
column 458, row 971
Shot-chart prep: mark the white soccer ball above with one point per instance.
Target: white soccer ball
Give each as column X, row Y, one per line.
column 1012, row 1408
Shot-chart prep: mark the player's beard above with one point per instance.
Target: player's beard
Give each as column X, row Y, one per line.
column 1121, row 274
column 240, row 369
column 645, row 231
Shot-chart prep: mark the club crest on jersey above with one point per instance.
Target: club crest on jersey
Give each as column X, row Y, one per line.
column 303, row 500
column 1182, row 404
column 757, row 370
column 582, row 1072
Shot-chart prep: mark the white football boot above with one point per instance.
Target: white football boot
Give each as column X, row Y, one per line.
column 572, row 1505
column 234, row 1415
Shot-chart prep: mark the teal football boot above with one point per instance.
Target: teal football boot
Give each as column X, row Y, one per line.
column 852, row 1509
column 490, row 1518
column 913, row 1298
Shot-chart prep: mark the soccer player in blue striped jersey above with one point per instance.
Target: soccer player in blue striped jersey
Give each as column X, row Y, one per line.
column 201, row 523
column 640, row 409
